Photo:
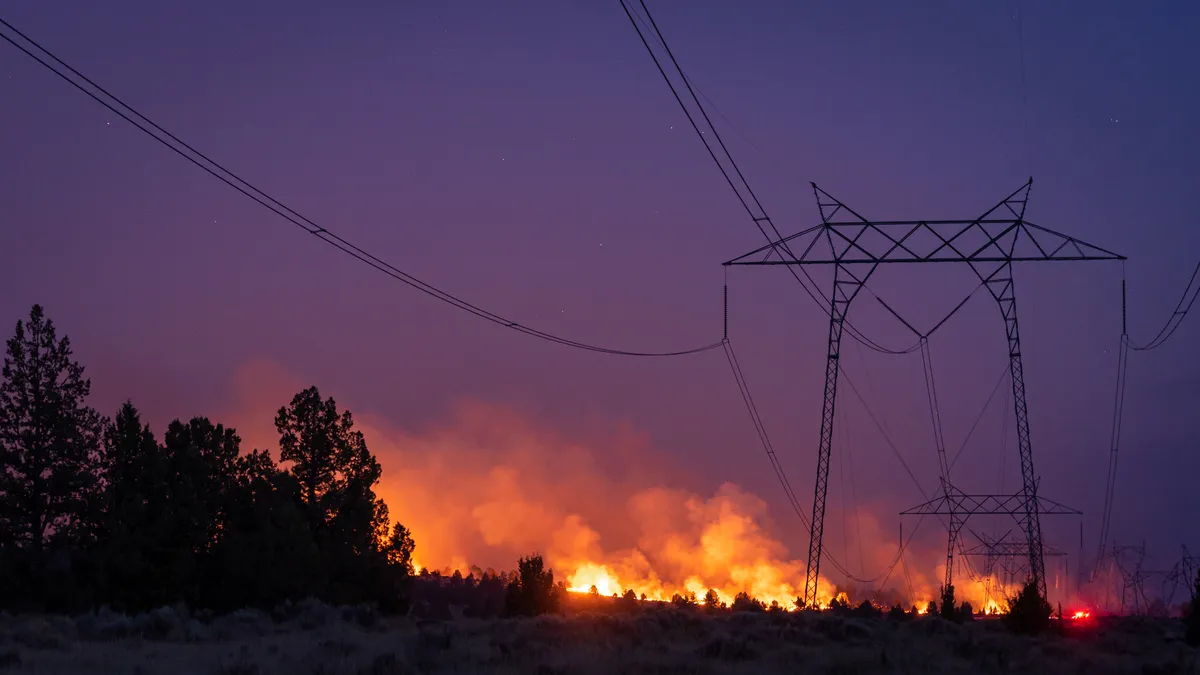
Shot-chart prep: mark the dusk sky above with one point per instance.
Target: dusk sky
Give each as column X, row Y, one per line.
column 528, row 157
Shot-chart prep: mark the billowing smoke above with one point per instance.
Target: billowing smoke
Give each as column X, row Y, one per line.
column 488, row 485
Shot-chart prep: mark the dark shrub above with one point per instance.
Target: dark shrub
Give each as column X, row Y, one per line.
column 742, row 602
column 1028, row 612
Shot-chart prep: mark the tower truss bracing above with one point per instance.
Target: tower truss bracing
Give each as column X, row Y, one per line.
column 1182, row 573
column 989, row 245
column 959, row 507
column 1006, row 559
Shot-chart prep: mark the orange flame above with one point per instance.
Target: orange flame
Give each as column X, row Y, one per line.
column 491, row 486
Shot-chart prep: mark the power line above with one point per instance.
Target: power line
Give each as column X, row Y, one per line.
column 979, row 417
column 777, row 467
column 1186, row 300
column 1110, row 482
column 887, row 439
column 265, row 200
column 849, row 446
column 749, row 200
column 1181, row 309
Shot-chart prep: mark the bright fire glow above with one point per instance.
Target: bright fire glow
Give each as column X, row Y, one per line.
column 1082, row 614
column 756, row 580
column 591, row 574
column 490, row 485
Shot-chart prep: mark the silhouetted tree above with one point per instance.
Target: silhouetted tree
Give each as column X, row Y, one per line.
column 400, row 547
column 839, row 606
column 897, row 613
column 324, row 449
column 775, row 607
column 135, row 502
column 267, row 553
column 685, row 601
column 865, row 610
column 49, row 440
column 966, row 612
column 931, row 609
column 337, row 475
column 742, row 602
column 949, row 608
column 50, row 445
column 199, row 458
column 95, row 512
column 629, row 601
column 532, row 592
column 1028, row 612
column 712, row 600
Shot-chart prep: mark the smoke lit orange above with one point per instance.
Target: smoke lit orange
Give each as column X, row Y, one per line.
column 490, row 486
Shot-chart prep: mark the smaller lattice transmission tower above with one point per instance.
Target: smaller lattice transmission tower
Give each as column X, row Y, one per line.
column 1005, row 563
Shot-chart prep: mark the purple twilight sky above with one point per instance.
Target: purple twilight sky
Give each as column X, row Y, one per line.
column 528, row 157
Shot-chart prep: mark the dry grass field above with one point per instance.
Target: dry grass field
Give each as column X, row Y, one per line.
column 313, row 639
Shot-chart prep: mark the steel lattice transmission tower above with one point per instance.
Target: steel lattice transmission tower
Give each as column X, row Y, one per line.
column 959, row 506
column 1004, row 554
column 856, row 247
column 1182, row 573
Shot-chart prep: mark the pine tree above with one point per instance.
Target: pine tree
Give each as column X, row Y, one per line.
column 135, row 500
column 130, row 453
column 337, row 475
column 629, row 600
column 323, row 448
column 712, row 600
column 200, row 458
column 742, row 602
column 49, row 441
column 400, row 547
column 266, row 554
column 532, row 590
column 949, row 609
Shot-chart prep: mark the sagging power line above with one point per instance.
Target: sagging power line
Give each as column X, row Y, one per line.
column 1186, row 300
column 147, row 126
column 729, row 168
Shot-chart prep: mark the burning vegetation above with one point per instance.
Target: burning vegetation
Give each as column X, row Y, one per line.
column 347, row 509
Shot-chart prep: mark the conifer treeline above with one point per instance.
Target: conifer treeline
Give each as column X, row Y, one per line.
column 100, row 511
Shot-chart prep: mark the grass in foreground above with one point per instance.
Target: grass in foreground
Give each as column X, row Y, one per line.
column 313, row 639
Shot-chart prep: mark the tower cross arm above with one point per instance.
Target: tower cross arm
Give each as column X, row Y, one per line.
column 958, row 503
column 985, row 240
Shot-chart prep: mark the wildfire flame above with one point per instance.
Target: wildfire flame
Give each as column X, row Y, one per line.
column 489, row 486
column 591, row 574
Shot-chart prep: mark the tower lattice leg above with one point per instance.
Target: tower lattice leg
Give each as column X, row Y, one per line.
column 846, row 285
column 838, row 306
column 1000, row 284
column 956, row 522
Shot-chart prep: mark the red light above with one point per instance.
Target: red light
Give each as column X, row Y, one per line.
column 1081, row 615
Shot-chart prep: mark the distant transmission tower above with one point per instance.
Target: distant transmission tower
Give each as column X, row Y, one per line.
column 1128, row 561
column 989, row 244
column 1182, row 573
column 1006, row 559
